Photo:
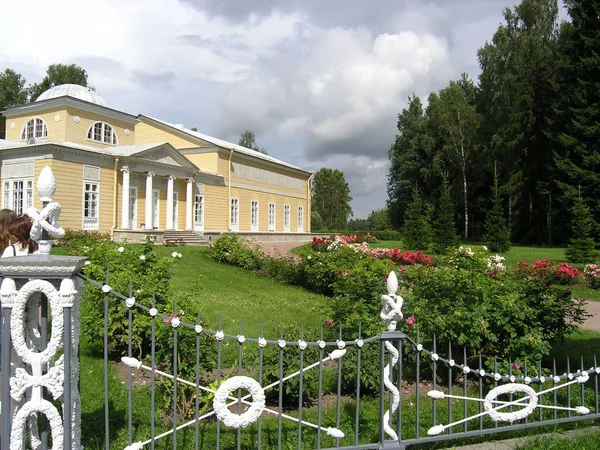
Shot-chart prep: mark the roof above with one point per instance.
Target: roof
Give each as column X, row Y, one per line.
column 73, row 90
column 124, row 150
column 223, row 144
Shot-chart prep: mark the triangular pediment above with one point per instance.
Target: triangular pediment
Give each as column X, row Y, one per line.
column 164, row 154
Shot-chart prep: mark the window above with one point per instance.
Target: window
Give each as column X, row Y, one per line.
column 300, row 219
column 102, row 132
column 286, row 218
column 234, row 214
column 199, row 212
column 91, row 195
column 254, row 216
column 271, row 216
column 35, row 128
column 18, row 195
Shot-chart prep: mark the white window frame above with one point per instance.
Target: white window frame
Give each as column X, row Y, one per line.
column 300, row 219
column 155, row 209
column 133, row 205
column 106, row 133
column 234, row 214
column 272, row 217
column 15, row 197
column 254, row 216
column 91, row 214
column 199, row 212
column 286, row 218
column 38, row 129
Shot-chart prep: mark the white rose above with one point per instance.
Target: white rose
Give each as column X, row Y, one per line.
column 121, row 249
column 174, row 254
column 142, row 257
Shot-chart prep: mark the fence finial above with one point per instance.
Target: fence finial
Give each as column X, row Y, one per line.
column 44, row 222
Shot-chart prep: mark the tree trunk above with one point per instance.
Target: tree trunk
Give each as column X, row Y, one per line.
column 466, row 204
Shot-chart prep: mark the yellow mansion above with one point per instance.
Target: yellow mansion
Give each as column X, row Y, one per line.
column 134, row 175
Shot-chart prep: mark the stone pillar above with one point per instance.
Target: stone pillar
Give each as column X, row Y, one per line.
column 170, row 202
column 189, row 204
column 149, row 212
column 125, row 199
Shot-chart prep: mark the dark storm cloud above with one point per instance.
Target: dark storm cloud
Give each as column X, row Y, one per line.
column 160, row 80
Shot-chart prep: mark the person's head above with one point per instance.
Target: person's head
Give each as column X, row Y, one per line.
column 19, row 230
column 6, row 216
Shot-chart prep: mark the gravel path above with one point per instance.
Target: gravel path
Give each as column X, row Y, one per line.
column 283, row 248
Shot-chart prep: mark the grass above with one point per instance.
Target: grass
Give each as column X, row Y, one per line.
column 586, row 441
column 241, row 295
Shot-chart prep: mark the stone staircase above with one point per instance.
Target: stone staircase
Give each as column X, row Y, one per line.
column 188, row 237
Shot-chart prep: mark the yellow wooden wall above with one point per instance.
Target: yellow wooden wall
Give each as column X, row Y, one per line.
column 69, row 193
column 77, row 132
column 146, row 133
column 207, row 162
column 56, row 130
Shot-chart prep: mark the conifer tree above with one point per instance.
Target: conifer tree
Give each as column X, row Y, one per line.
column 497, row 233
column 581, row 245
column 444, row 236
column 417, row 230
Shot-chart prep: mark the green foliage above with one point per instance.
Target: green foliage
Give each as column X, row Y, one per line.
column 57, row 74
column 316, row 222
column 248, row 140
column 491, row 314
column 444, row 231
column 387, row 235
column 417, row 233
column 12, row 93
column 581, row 245
column 231, row 249
column 379, row 220
column 331, row 198
column 497, row 234
column 128, row 266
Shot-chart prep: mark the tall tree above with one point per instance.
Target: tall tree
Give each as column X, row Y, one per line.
column 516, row 98
column 444, row 230
column 248, row 140
column 417, row 233
column 497, row 234
column 577, row 154
column 12, row 92
column 581, row 245
column 57, row 74
column 456, row 121
column 379, row 220
column 331, row 198
column 413, row 161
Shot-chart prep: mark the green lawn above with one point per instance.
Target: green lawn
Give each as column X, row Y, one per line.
column 241, row 294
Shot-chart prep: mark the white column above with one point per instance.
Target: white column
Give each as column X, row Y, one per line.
column 170, row 202
column 125, row 199
column 189, row 203
column 149, row 212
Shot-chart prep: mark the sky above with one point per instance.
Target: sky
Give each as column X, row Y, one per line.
column 319, row 82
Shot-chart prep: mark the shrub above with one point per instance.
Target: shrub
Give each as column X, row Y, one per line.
column 591, row 273
column 581, row 245
column 80, row 238
column 444, row 236
column 129, row 266
column 231, row 249
column 547, row 272
column 417, row 232
column 497, row 233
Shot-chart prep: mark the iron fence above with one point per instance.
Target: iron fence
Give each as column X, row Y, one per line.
column 383, row 391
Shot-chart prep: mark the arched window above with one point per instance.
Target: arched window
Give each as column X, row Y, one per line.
column 35, row 128
column 102, row 132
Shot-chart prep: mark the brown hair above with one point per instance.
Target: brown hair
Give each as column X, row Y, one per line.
column 19, row 229
column 6, row 216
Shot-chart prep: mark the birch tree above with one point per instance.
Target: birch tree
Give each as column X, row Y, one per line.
column 455, row 120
